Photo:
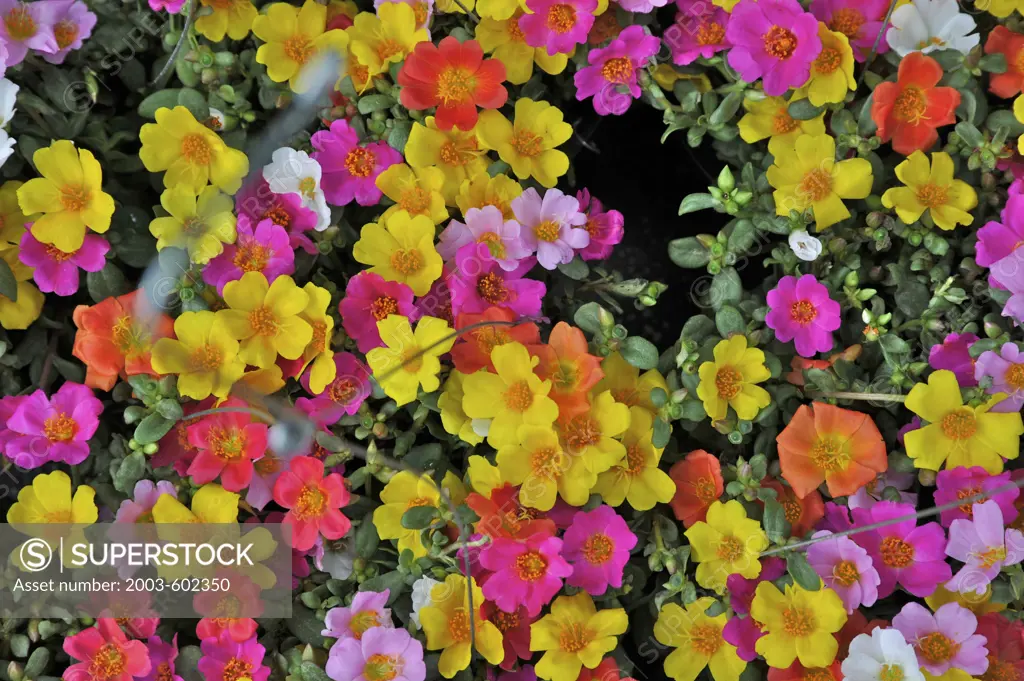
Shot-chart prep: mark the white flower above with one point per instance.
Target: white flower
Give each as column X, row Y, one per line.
column 805, row 246
column 294, row 172
column 928, row 25
column 882, row 655
column 6, row 147
column 8, row 98
column 421, row 589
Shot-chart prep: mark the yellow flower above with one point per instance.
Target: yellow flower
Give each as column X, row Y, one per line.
column 588, row 440
column 210, row 504
column 979, row 605
column 319, row 352
column 359, row 73
column 203, row 354
column 416, row 191
column 455, row 153
column 451, row 7
column 385, row 38
column 537, row 463
column 511, row 397
column 18, row 314
column 48, row 500
column 800, row 624
column 729, row 380
column 769, row 117
column 484, row 477
column 1000, row 8
column 727, row 5
column 201, row 223
column 483, row 190
column 626, row 383
column 12, row 220
column 1018, row 111
column 933, row 189
column 398, row 374
column 528, row 144
column 401, row 249
column 958, row 434
column 810, row 177
column 697, row 639
column 404, row 491
column 726, row 543
column 446, row 623
column 69, row 195
column 832, row 70
column 453, row 418
column 191, row 153
column 503, row 37
column 265, row 381
column 575, row 635
column 265, row 318
column 637, row 478
column 229, row 17
column 293, row 37
column 666, row 76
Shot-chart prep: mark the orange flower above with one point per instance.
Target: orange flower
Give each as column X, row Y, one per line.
column 798, row 672
column 909, row 110
column 1011, row 45
column 799, row 364
column 698, row 479
column 501, row 514
column 823, row 443
column 570, row 368
column 472, row 350
column 112, row 343
column 801, row 514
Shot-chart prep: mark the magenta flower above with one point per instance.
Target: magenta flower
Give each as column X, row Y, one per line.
column 698, row 31
column 983, row 546
column 775, row 40
column 366, row 612
column 349, row 170
column 258, row 202
column 945, row 640
column 801, row 310
column 861, row 21
column 743, row 632
column 8, row 405
column 605, row 227
column 95, row 646
column 611, row 72
column 382, row 653
column 552, row 227
column 528, row 572
column 172, row 6
column 266, row 249
column 72, row 25
column 1006, row 369
column 369, row 298
column 597, row 544
column 486, row 226
column 914, row 557
column 161, row 660
column 57, row 428
column 438, row 301
column 57, row 271
column 478, row 282
column 955, row 484
column 343, row 395
column 741, row 590
column 557, row 25
column 845, row 568
column 954, row 355
column 836, row 518
column 641, row 6
column 139, row 509
column 29, row 25
column 997, row 240
column 223, row 655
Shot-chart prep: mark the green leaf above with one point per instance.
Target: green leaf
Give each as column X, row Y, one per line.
column 802, row 572
column 165, row 99
column 688, row 252
column 775, row 524
column 639, row 352
column 393, row 581
column 803, row 110
column 186, row 664
column 894, row 345
column 726, row 110
column 37, row 663
column 425, row 457
column 152, row 428
column 195, row 102
column 371, row 103
column 310, row 671
column 131, row 470
column 742, row 237
column 367, row 540
column 726, row 288
column 419, row 517
column 695, row 202
column 1004, row 118
column 970, row 134
column 693, row 410
column 697, row 328
column 912, row 298
column 106, row 283
column 865, row 123
column 662, row 432
column 170, row 409
column 8, row 284
column 968, row 107
column 305, row 625
column 399, row 135
column 729, row 320
column 588, row 318
column 993, row 63
column 575, row 269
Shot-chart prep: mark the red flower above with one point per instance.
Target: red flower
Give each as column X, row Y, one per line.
column 909, row 110
column 572, row 370
column 106, row 654
column 1005, row 650
column 239, row 629
column 455, row 78
column 501, row 515
column 314, row 502
column 607, row 670
column 472, row 350
column 227, row 444
column 802, row 514
column 515, row 631
column 220, row 609
column 699, row 483
column 1011, row 45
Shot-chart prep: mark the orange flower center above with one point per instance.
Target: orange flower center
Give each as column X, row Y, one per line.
column 74, row 198
column 635, row 460
column 205, row 358
column 845, row 573
column 60, row 427
column 1014, row 376
column 961, row 494
column 380, row 667
column 494, row 244
column 526, row 143
column 450, row 155
column 312, row 503
column 382, row 306
column 196, row 149
column 491, row 287
column 828, row 61
column 991, row 557
column 829, row 455
column 896, row 553
column 458, row 626
column 937, row 648
column 251, row 257
column 816, row 184
column 108, row 663
column 710, row 33
column 360, row 162
column 388, row 48
column 56, row 254
column 798, row 622
column 519, row 397
column 20, row 24
column 531, row 566
column 342, row 390
column 505, row 621
column 819, row 674
column 574, row 637
column 236, row 669
column 780, row 42
column 415, row 200
column 227, row 444
column 728, row 382
column 581, row 432
column 617, row 70
column 705, row 490
column 407, row 262
column 163, row 672
column 999, row 670
column 730, row 549
column 933, row 195
column 515, row 34
column 65, row 32
column 268, row 464
column 278, row 215
column 263, row 321
column 455, row 85
column 363, row 621
column 706, row 639
column 561, row 18
column 318, row 343
column 410, row 362
column 847, row 21
column 803, row 312
column 420, row 10
column 783, row 123
column 298, row 48
column 910, row 105
column 547, row 231
column 598, row 549
column 307, row 186
column 891, row 672
column 129, row 339
column 959, row 425
column 546, row 462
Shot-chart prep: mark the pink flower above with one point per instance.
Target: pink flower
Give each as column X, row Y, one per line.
column 486, row 226
column 997, row 240
column 741, row 590
column 557, row 25
column 228, row 443
column 8, row 405
column 314, row 502
column 73, row 24
column 161, row 659
column 172, row 6
column 382, row 653
column 54, row 429
column 945, row 640
column 605, row 227
column 551, row 227
column 1006, row 369
column 366, row 612
column 871, row 493
column 698, row 31
column 914, row 557
column 953, row 355
column 845, row 568
column 343, row 395
column 479, row 283
column 266, row 471
column 861, row 21
column 266, row 249
column 743, row 632
column 954, row 484
column 242, row 659
column 613, row 68
column 526, row 572
column 29, row 25
column 258, row 202
column 57, row 271
column 801, row 310
column 369, row 298
column 775, row 40
column 106, row 654
column 139, row 509
column 983, row 546
column 349, row 170
column 597, row 544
